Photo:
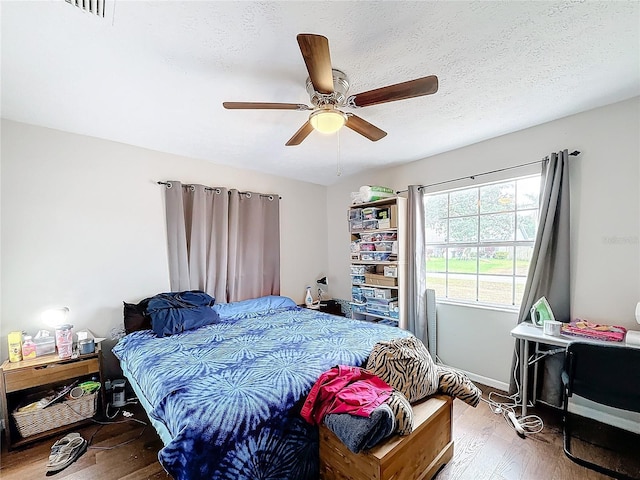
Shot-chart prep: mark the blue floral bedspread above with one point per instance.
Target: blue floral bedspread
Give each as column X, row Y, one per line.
column 230, row 394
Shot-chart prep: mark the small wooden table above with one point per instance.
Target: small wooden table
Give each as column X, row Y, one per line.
column 327, row 306
column 36, row 376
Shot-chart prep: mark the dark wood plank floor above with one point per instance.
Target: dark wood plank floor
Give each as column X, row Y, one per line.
column 485, row 448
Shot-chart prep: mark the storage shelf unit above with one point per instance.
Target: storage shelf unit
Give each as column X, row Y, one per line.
column 378, row 261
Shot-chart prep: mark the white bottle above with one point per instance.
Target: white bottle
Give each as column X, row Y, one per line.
column 308, row 299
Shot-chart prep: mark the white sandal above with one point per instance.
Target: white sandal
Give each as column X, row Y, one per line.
column 55, row 448
column 65, row 451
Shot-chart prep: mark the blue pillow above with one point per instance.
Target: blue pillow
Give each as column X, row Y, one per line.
column 175, row 312
column 251, row 307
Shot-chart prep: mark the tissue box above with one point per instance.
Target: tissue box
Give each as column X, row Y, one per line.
column 45, row 346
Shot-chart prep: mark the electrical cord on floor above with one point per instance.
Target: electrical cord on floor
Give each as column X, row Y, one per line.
column 527, row 425
column 523, row 425
column 129, row 418
column 131, row 401
column 121, row 444
column 106, row 412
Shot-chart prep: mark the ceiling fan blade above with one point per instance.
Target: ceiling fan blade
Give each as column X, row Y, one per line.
column 264, row 106
column 399, row 91
column 364, row 128
column 315, row 51
column 300, row 135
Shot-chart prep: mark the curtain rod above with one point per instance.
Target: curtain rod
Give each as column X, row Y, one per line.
column 575, row 153
column 217, row 190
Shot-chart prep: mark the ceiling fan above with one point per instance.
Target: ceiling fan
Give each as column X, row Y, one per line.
column 327, row 88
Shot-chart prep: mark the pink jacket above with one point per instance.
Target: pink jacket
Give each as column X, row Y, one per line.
column 344, row 389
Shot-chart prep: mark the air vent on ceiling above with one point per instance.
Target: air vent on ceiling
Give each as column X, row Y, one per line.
column 95, row 7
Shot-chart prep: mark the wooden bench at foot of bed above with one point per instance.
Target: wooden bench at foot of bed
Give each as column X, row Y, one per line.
column 417, row 456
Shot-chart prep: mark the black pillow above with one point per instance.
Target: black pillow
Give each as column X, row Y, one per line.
column 135, row 316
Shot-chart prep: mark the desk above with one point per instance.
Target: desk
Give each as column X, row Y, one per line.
column 526, row 332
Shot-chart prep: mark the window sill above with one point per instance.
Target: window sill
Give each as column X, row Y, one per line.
column 494, row 308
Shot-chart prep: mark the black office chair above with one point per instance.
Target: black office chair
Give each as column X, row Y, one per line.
column 605, row 374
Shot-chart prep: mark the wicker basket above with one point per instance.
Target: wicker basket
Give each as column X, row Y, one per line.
column 56, row 415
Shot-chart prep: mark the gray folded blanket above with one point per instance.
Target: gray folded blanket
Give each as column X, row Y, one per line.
column 359, row 433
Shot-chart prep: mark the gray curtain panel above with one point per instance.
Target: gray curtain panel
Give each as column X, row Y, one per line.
column 417, row 271
column 549, row 271
column 177, row 237
column 213, row 236
column 254, row 245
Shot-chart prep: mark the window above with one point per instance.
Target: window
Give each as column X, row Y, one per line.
column 480, row 240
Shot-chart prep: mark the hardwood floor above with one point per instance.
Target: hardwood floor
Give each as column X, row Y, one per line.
column 485, row 448
column 136, row 460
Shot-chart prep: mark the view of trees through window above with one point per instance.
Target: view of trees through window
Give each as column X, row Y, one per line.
column 480, row 241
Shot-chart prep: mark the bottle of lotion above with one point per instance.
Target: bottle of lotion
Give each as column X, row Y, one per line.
column 308, row 299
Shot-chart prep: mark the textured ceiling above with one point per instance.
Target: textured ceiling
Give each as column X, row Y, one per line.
column 155, row 74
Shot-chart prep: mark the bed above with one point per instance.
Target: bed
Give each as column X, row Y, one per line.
column 225, row 398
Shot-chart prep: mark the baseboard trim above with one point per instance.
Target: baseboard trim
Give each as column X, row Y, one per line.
column 628, row 424
column 489, row 382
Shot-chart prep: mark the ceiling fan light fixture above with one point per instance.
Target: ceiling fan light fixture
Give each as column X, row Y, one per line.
column 327, row 120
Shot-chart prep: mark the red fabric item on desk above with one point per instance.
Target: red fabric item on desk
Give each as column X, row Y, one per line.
column 584, row 328
column 344, row 389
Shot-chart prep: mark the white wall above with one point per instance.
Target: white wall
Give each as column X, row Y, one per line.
column 83, row 225
column 605, row 222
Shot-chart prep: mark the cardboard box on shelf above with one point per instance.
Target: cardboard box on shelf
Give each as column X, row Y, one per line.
column 376, row 279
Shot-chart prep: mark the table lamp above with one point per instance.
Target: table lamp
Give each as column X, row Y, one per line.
column 323, row 284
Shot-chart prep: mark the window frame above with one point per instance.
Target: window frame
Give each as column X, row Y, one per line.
column 512, row 245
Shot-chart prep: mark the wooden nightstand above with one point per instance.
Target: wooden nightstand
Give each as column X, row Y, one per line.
column 328, row 306
column 32, row 378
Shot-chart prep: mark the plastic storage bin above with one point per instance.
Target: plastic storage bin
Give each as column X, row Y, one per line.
column 358, row 298
column 384, row 246
column 368, row 292
column 367, row 256
column 358, row 308
column 355, row 214
column 368, row 247
column 368, row 237
column 381, row 256
column 382, row 293
column 45, row 346
column 382, row 301
column 377, row 309
column 362, row 269
column 370, row 224
column 356, row 225
column 391, row 271
column 370, row 213
column 357, row 270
